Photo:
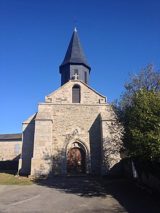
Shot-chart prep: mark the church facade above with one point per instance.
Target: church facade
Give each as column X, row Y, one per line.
column 75, row 130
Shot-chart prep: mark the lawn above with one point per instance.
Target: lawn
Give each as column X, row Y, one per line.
column 10, row 179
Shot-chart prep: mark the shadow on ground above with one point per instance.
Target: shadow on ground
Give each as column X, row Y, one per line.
column 130, row 196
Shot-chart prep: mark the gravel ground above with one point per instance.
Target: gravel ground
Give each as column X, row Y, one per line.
column 79, row 195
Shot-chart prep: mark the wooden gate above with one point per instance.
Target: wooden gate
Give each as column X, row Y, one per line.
column 76, row 161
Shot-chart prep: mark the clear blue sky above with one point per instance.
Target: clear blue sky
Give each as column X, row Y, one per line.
column 118, row 37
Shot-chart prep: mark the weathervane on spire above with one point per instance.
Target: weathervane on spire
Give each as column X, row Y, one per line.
column 75, row 24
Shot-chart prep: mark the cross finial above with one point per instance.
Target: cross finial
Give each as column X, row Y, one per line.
column 75, row 76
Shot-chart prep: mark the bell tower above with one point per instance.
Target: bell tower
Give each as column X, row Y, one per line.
column 74, row 65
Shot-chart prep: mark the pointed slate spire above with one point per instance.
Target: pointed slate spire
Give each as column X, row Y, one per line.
column 75, row 54
column 74, row 63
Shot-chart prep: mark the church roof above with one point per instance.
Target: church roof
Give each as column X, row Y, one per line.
column 75, row 54
column 4, row 137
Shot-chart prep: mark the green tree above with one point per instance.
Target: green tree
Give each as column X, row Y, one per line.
column 142, row 125
column 147, row 79
column 139, row 111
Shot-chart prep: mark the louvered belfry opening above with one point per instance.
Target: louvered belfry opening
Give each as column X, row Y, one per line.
column 76, row 94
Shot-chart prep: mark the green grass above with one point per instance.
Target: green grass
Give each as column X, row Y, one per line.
column 10, row 179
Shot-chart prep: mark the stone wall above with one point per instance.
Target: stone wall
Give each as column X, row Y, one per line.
column 10, row 150
column 28, row 145
column 112, row 143
column 64, row 94
column 68, row 123
column 42, row 160
column 61, row 124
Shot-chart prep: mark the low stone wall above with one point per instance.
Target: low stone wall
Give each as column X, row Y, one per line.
column 150, row 180
column 145, row 173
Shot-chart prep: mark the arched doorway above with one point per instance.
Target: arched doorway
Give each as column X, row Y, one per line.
column 76, row 161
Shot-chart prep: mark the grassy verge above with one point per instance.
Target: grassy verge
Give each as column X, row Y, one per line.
column 10, row 179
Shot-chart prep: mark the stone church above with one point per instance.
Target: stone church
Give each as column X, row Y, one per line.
column 75, row 130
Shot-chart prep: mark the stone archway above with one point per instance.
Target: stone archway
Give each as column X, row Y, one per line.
column 76, row 160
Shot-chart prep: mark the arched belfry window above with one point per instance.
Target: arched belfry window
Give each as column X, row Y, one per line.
column 76, row 96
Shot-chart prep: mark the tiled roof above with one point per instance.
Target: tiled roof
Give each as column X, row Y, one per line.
column 4, row 137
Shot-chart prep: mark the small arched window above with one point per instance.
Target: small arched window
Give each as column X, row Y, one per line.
column 76, row 94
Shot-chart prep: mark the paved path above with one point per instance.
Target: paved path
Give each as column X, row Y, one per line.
column 79, row 195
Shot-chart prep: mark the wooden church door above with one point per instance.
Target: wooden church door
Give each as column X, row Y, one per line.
column 76, row 161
